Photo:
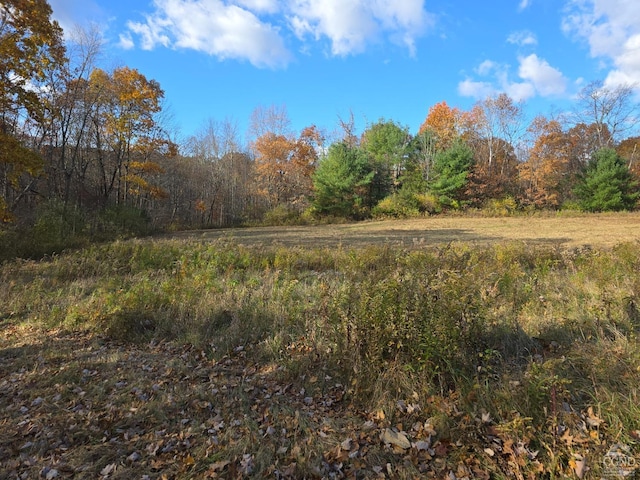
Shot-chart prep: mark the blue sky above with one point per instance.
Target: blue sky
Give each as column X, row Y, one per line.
column 393, row 59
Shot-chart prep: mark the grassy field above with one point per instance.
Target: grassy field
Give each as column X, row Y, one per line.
column 436, row 348
column 603, row 230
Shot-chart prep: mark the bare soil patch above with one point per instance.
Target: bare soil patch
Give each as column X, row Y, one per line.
column 596, row 230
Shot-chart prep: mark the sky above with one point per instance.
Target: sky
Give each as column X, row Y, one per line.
column 324, row 60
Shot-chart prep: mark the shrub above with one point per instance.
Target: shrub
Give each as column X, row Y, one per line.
column 428, row 203
column 56, row 228
column 284, row 215
column 394, row 206
column 500, row 207
column 122, row 221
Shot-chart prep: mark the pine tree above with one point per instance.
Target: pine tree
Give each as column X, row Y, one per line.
column 606, row 184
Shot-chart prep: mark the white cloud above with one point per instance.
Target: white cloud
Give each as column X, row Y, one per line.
column 535, row 77
column 152, row 33
column 239, row 29
column 477, row 90
column 350, row 25
column 522, row 38
column 215, row 28
column 611, row 28
column 524, row 4
column 627, row 69
column 70, row 13
column 546, row 79
column 519, row 91
column 266, row 6
column 126, row 42
column 486, row 67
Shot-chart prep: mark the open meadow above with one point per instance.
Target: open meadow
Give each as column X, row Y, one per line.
column 574, row 230
column 444, row 347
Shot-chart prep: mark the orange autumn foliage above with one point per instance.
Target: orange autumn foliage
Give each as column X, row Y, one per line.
column 285, row 165
column 444, row 122
column 543, row 174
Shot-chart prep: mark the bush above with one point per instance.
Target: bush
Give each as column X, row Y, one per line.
column 407, row 204
column 57, row 227
column 122, row 221
column 500, row 207
column 284, row 215
column 428, row 203
column 394, row 206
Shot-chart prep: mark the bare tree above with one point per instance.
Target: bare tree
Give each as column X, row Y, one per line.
column 348, row 127
column 221, row 174
column 273, row 120
column 613, row 110
column 74, row 105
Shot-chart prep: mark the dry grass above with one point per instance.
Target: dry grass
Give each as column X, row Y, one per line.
column 496, row 346
column 567, row 231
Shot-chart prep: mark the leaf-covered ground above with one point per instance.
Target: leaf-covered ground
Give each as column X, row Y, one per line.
column 73, row 405
column 77, row 406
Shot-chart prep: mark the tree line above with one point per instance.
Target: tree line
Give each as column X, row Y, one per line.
column 83, row 148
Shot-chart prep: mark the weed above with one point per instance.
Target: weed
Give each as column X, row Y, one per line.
column 530, row 340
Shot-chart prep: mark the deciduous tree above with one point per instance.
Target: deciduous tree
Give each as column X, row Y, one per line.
column 285, row 165
column 545, row 175
column 629, row 151
column 613, row 111
column 30, row 47
column 217, row 178
column 124, row 126
column 444, row 122
column 492, row 129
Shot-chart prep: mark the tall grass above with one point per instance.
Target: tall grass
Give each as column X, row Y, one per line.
column 527, row 335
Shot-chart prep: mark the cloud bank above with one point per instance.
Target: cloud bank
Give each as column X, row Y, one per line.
column 611, row 29
column 535, row 77
column 259, row 31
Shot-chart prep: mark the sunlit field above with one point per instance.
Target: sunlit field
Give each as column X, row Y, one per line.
column 451, row 347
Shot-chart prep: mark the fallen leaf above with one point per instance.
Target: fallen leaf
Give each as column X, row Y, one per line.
column 346, row 445
column 134, row 457
column 422, row 445
column 246, row 464
column 216, row 466
column 51, row 474
column 593, row 420
column 108, row 470
column 398, row 439
column 579, row 464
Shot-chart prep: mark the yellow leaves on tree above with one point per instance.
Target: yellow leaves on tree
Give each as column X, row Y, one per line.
column 444, row 122
column 30, row 47
column 138, row 185
column 128, row 103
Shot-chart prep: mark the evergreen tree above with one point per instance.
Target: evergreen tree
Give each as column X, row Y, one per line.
column 606, row 184
column 341, row 182
column 451, row 171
